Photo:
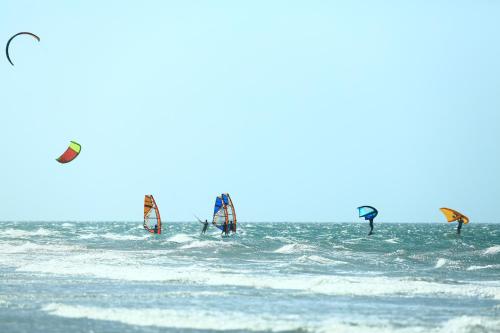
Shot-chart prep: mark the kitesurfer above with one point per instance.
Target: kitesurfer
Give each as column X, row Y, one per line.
column 371, row 227
column 460, row 222
column 205, row 226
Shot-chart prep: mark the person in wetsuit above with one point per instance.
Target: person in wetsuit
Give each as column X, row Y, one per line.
column 460, row 222
column 156, row 228
column 205, row 226
column 371, row 227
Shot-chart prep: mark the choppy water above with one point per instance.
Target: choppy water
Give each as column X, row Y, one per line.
column 112, row 277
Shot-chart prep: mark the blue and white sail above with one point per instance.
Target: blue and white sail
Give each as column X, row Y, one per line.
column 368, row 212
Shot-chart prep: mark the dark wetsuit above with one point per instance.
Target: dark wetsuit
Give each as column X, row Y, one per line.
column 205, row 227
column 156, row 228
column 460, row 222
column 371, row 227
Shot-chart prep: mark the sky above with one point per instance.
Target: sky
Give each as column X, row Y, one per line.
column 301, row 110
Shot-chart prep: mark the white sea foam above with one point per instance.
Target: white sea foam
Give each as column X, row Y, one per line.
column 210, row 320
column 180, row 319
column 293, row 248
column 441, row 262
column 469, row 324
column 320, row 260
column 392, row 240
column 475, row 268
column 278, row 238
column 202, row 244
column 122, row 268
column 29, row 247
column 492, row 250
column 180, row 238
column 20, row 233
column 67, row 225
column 113, row 236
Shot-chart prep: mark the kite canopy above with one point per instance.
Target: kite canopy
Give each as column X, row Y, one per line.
column 10, row 40
column 151, row 215
column 368, row 212
column 71, row 153
column 224, row 213
column 453, row 215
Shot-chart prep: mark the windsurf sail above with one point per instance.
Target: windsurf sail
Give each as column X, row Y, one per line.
column 368, row 212
column 151, row 215
column 71, row 153
column 452, row 215
column 224, row 213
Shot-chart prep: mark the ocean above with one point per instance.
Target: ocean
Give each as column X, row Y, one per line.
column 269, row 277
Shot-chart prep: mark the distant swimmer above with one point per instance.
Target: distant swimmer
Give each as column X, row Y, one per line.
column 369, row 213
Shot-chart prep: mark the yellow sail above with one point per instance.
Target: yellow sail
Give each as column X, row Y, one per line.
column 453, row 215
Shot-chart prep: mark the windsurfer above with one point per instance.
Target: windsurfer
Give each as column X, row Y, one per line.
column 156, row 228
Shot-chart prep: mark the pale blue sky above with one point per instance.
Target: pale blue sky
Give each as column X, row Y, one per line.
column 302, row 110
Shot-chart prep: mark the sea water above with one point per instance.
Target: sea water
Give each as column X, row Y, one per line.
column 269, row 277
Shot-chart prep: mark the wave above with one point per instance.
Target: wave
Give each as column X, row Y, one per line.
column 180, row 238
column 206, row 320
column 470, row 324
column 492, row 250
column 293, row 248
column 119, row 267
column 179, row 319
column 441, row 262
column 203, row 244
column 113, row 236
column 475, row 268
column 21, row 233
column 278, row 238
column 29, row 247
column 320, row 260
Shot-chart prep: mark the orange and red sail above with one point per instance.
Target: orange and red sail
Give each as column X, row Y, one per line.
column 152, row 220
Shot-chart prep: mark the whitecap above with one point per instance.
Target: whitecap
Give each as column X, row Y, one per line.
column 293, row 248
column 492, row 250
column 440, row 263
column 180, row 238
column 475, row 268
column 470, row 324
column 180, row 319
column 20, row 233
column 391, row 240
column 123, row 237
